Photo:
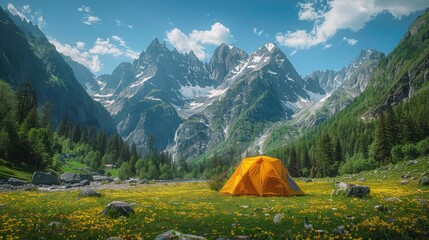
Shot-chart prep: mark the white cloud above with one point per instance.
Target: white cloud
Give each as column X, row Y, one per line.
column 90, row 20
column 80, row 45
column 307, row 12
column 342, row 14
column 12, row 9
column 257, row 32
column 217, row 35
column 91, row 58
column 185, row 44
column 78, row 54
column 84, row 9
column 131, row 54
column 26, row 8
column 36, row 18
column 104, row 47
column 326, row 46
column 120, row 24
column 119, row 40
column 196, row 40
column 350, row 41
column 88, row 16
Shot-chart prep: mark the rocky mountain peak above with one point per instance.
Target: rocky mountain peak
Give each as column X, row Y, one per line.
column 225, row 58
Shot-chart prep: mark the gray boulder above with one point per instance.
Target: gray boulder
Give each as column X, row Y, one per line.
column 89, row 193
column 41, row 178
column 353, row 190
column 81, row 183
column 424, row 181
column 15, row 182
column 173, row 234
column 358, row 191
column 86, row 177
column 69, row 177
column 99, row 178
column 117, row 209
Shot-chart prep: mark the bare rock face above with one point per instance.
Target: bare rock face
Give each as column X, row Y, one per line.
column 117, row 209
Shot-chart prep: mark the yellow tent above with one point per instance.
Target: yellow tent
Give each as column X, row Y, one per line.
column 263, row 176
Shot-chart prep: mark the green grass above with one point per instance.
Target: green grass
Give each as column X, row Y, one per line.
column 113, row 172
column 7, row 172
column 193, row 208
column 74, row 167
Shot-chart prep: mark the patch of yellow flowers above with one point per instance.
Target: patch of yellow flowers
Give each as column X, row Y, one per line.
column 192, row 208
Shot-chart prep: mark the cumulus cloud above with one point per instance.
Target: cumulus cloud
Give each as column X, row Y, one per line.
column 350, row 41
column 196, row 40
column 78, row 54
column 91, row 57
column 342, row 14
column 326, row 46
column 26, row 14
column 307, row 12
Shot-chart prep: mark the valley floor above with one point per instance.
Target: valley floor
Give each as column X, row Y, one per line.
column 392, row 211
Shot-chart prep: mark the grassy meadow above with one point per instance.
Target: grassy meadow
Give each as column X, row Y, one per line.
column 194, row 209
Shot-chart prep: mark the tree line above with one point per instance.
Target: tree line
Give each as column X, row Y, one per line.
column 349, row 144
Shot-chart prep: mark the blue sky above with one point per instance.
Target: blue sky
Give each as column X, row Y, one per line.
column 314, row 34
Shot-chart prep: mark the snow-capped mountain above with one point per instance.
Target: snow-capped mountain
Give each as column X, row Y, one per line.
column 233, row 101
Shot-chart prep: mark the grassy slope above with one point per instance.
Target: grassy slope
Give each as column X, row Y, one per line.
column 7, row 172
column 193, row 208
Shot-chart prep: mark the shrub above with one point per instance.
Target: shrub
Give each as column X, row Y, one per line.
column 216, row 183
column 397, row 154
column 423, row 147
column 357, row 164
column 410, row 151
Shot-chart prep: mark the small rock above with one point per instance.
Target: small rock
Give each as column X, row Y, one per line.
column 55, row 224
column 380, row 208
column 424, row 174
column 117, row 209
column 173, row 234
column 308, row 180
column 410, row 163
column 391, row 199
column 89, row 193
column 404, row 182
column 424, row 181
column 406, row 175
column 131, row 180
column 384, row 168
column 114, row 238
column 361, row 179
column 358, row 191
column 278, row 217
column 2, row 205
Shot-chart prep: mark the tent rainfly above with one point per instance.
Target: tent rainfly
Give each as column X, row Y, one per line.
column 261, row 176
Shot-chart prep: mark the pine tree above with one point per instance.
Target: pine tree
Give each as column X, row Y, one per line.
column 27, row 100
column 382, row 143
